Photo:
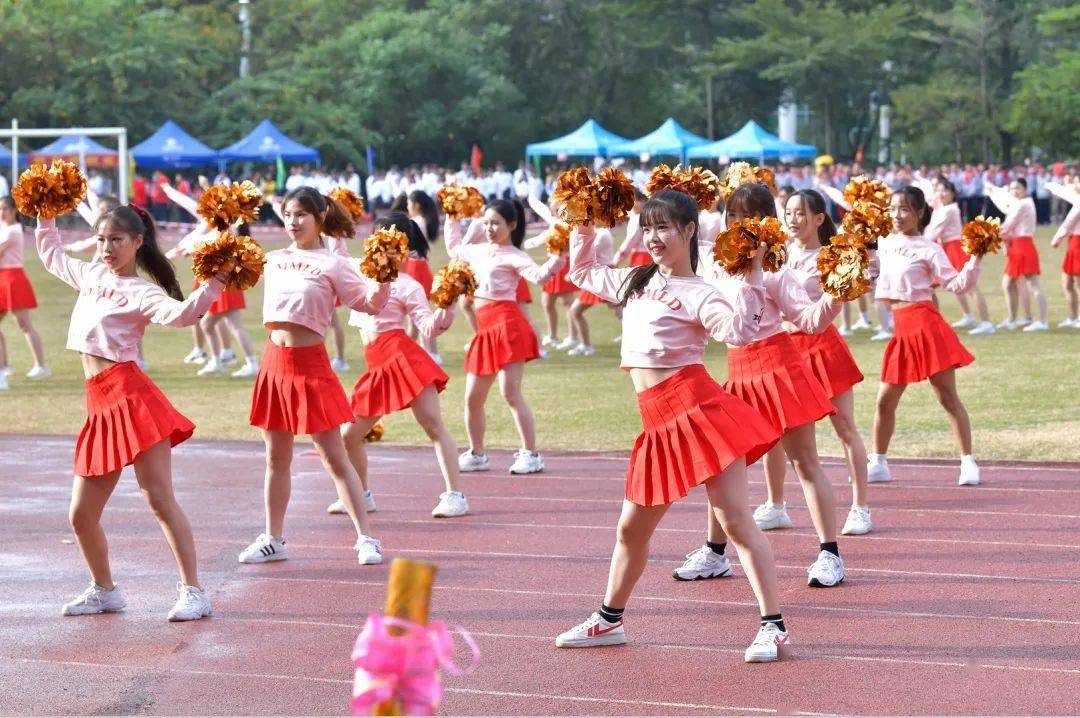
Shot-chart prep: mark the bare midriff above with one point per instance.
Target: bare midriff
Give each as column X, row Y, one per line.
column 646, row 378
column 287, row 334
column 94, row 365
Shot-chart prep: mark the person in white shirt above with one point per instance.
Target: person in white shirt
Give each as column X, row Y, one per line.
column 3, row 186
column 295, row 178
column 352, row 180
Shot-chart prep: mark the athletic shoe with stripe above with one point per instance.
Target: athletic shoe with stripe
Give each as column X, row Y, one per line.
column 702, row 563
column 264, row 548
column 826, row 571
column 469, row 461
column 96, row 599
column 192, row 605
column 527, row 462
column 593, row 632
column 368, row 551
column 768, row 645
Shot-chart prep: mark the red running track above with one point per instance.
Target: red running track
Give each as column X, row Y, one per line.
column 963, row 600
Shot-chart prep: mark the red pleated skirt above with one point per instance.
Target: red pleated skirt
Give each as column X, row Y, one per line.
column 954, row 250
column 397, row 371
column 1071, row 263
column 559, row 284
column 16, row 292
column 639, row 258
column 227, row 301
column 691, row 431
column 923, row 344
column 772, row 376
column 830, row 360
column 297, row 391
column 126, row 414
column 1021, row 257
column 503, row 336
column 420, row 270
column 589, row 299
column 523, row 293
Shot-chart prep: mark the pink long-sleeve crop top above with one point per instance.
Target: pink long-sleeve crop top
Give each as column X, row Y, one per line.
column 945, row 224
column 669, row 323
column 300, row 286
column 497, row 267
column 910, row 266
column 11, row 246
column 113, row 311
column 1019, row 220
column 407, row 299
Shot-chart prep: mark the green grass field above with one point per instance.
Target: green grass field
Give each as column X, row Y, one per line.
column 1022, row 392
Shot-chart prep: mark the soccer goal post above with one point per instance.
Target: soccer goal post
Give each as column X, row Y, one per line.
column 120, row 133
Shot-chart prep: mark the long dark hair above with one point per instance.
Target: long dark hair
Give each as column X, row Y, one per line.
column 334, row 219
column 404, row 223
column 813, row 200
column 917, row 201
column 429, row 210
column 672, row 207
column 752, row 199
column 135, row 221
column 947, row 184
column 512, row 211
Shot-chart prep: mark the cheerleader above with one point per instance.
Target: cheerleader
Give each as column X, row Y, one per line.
column 296, row 391
column 771, row 375
column 422, row 210
column 1070, row 266
column 129, row 420
column 944, row 229
column 827, row 354
column 694, row 432
column 633, row 247
column 558, row 289
column 605, row 244
column 402, row 375
column 16, row 293
column 925, row 347
column 505, row 340
column 1021, row 255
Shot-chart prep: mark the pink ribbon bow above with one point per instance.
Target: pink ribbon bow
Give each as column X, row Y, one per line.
column 405, row 667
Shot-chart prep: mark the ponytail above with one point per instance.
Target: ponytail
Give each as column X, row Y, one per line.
column 512, row 211
column 334, row 219
column 813, row 200
column 136, row 222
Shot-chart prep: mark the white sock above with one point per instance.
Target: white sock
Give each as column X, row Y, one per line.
column 967, row 458
column 878, row 459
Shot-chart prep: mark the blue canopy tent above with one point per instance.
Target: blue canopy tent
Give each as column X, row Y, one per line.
column 589, row 140
column 266, row 143
column 171, row 147
column 752, row 141
column 5, row 158
column 670, row 138
column 77, row 148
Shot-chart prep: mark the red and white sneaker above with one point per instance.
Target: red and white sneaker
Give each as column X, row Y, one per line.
column 770, row 645
column 594, row 632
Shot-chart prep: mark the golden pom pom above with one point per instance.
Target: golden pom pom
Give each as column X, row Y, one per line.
column 242, row 256
column 558, row 239
column 736, row 175
column 460, row 202
column 352, row 203
column 867, row 222
column 863, row 189
column 981, row 236
column 844, row 267
column 663, row 177
column 700, row 183
column 47, row 192
column 452, row 281
column 248, row 201
column 575, row 195
column 385, row 252
column 219, row 206
column 375, row 434
column 614, row 197
column 767, row 177
column 736, row 246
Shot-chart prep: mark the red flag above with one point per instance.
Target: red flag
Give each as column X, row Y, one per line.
column 476, row 158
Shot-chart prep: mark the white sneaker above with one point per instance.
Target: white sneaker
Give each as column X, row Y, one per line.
column 6, row 370
column 770, row 516
column 845, row 332
column 195, row 356
column 39, row 372
column 543, row 354
column 339, row 365
column 877, row 472
column 227, row 357
column 473, row 462
column 582, row 350
column 964, row 322
column 617, row 340
column 250, row 370
column 858, row 521
column 702, row 563
column 982, row 328
column 566, row 344
column 1067, row 323
column 861, row 323
column 338, row 507
column 1033, row 327
column 437, row 358
column 593, row 632
column 192, row 605
column 1022, row 322
column 211, row 368
column 549, row 341
column 766, row 647
column 827, row 570
column 527, row 462
column 96, row 599
column 882, row 335
column 1007, row 324
column 468, row 344
column 451, row 504
column 263, row 549
column 3, row 381
column 368, row 551
column 969, row 473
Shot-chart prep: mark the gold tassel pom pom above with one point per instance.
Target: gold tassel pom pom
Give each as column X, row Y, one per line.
column 844, row 266
column 243, row 257
column 863, row 189
column 452, row 281
column 558, row 238
column 867, row 222
column 735, row 247
column 460, row 202
column 47, row 192
column 352, row 203
column 700, row 183
column 385, row 252
column 375, row 434
column 981, row 236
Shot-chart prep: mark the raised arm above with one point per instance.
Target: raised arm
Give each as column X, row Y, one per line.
column 357, row 291
column 185, row 203
column 160, row 308
column 1069, row 227
column 1022, row 214
column 57, row 262
column 186, row 246
column 634, row 234
column 428, row 323
column 586, row 272
column 538, row 273
column 458, row 240
column 731, row 314
column 1000, row 197
column 947, row 276
column 835, row 195
column 535, row 241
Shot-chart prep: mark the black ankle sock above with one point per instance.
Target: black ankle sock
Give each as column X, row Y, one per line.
column 831, row 547
column 611, row 615
column 717, row 547
column 775, row 618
